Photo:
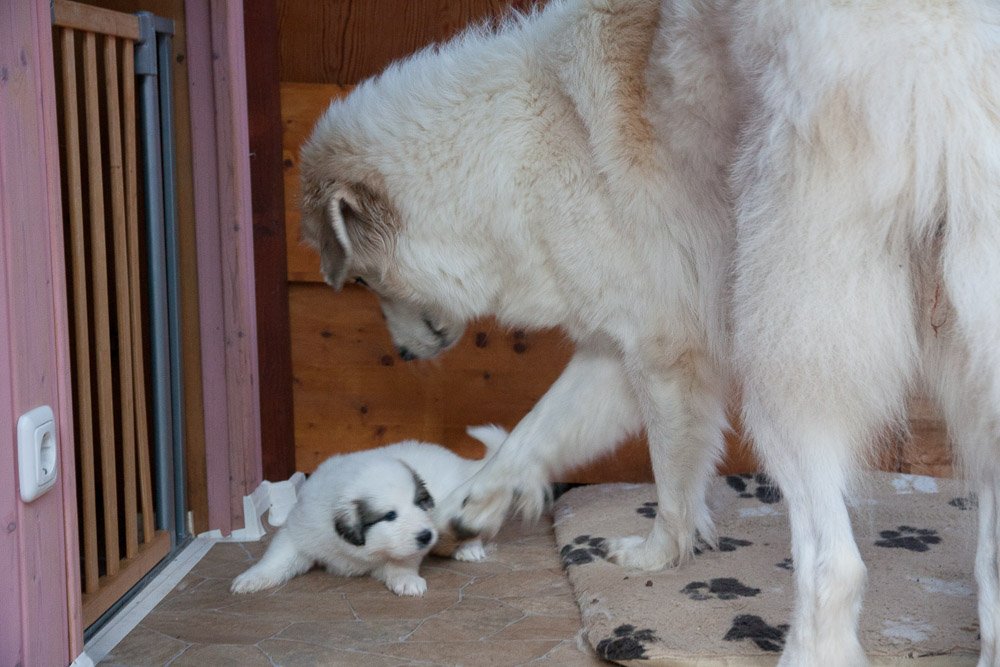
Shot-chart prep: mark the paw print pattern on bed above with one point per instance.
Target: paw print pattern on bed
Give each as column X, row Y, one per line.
column 627, row 644
column 758, row 486
column 584, row 549
column 735, row 601
column 907, row 537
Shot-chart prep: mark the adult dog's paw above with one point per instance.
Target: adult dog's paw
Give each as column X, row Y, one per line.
column 642, row 553
column 408, row 584
column 472, row 552
column 479, row 507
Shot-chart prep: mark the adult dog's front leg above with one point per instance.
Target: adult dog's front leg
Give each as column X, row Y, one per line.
column 684, row 409
column 586, row 413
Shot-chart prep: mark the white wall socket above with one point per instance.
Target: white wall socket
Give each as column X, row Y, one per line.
column 37, row 452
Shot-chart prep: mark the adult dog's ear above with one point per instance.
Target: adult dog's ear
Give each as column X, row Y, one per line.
column 335, row 249
column 349, row 224
column 349, row 525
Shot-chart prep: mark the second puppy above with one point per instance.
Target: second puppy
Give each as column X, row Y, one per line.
column 369, row 512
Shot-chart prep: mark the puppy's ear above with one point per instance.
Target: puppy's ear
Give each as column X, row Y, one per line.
column 349, row 525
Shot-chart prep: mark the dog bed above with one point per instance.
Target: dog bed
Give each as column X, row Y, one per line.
column 731, row 606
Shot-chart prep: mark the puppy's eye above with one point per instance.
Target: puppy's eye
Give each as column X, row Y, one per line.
column 390, row 516
column 360, row 281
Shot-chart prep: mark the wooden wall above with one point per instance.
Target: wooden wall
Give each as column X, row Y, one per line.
column 351, row 391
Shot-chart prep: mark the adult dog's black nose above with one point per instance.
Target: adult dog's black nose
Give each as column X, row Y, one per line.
column 424, row 538
column 405, row 354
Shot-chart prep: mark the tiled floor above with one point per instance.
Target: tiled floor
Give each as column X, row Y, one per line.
column 515, row 608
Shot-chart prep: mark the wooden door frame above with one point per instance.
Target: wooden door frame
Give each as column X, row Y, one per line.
column 260, row 23
column 39, row 550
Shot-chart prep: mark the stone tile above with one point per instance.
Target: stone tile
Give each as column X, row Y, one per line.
column 222, row 655
column 290, row 608
column 299, row 654
column 225, row 569
column 441, row 579
column 389, row 605
column 355, row 585
column 350, row 634
column 472, row 654
column 539, row 627
column 531, row 553
column 521, row 583
column 212, row 627
column 207, row 595
column 471, row 619
column 569, row 654
column 185, row 585
column 473, row 569
column 143, row 646
column 563, row 606
column 318, row 580
column 223, row 553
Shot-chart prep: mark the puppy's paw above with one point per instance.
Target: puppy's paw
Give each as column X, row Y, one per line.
column 642, row 553
column 407, row 584
column 471, row 552
column 251, row 581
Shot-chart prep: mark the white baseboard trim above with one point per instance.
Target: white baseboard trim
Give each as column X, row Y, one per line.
column 131, row 614
column 276, row 498
column 82, row 660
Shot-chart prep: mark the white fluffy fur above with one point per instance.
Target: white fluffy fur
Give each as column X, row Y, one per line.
column 360, row 488
column 800, row 194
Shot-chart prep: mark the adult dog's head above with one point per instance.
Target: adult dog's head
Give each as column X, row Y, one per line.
column 386, row 202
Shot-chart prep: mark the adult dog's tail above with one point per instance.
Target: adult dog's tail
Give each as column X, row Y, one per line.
column 490, row 435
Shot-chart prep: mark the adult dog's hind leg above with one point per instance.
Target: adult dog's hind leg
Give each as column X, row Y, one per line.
column 824, row 340
column 961, row 326
column 587, row 412
column 684, row 407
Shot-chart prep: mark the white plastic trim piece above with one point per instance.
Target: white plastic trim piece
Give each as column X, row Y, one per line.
column 276, row 498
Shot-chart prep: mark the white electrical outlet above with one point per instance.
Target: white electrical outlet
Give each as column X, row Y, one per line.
column 37, row 452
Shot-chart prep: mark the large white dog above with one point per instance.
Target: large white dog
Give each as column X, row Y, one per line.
column 805, row 192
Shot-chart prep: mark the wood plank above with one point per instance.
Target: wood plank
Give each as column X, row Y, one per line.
column 217, row 79
column 113, row 587
column 116, row 175
column 99, row 281
column 38, row 540
column 81, row 329
column 345, row 41
column 135, row 292
column 270, row 262
column 301, row 106
column 210, row 298
column 94, row 19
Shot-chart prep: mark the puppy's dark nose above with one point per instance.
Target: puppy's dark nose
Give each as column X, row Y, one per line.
column 424, row 538
column 405, row 354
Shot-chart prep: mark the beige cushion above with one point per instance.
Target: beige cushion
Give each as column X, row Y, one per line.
column 731, row 606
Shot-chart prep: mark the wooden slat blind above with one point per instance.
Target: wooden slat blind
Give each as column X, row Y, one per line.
column 100, row 164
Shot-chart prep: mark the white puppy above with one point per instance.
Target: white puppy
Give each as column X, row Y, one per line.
column 627, row 170
column 369, row 512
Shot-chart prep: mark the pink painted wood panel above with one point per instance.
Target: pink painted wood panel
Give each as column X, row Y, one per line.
column 217, row 85
column 34, row 347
